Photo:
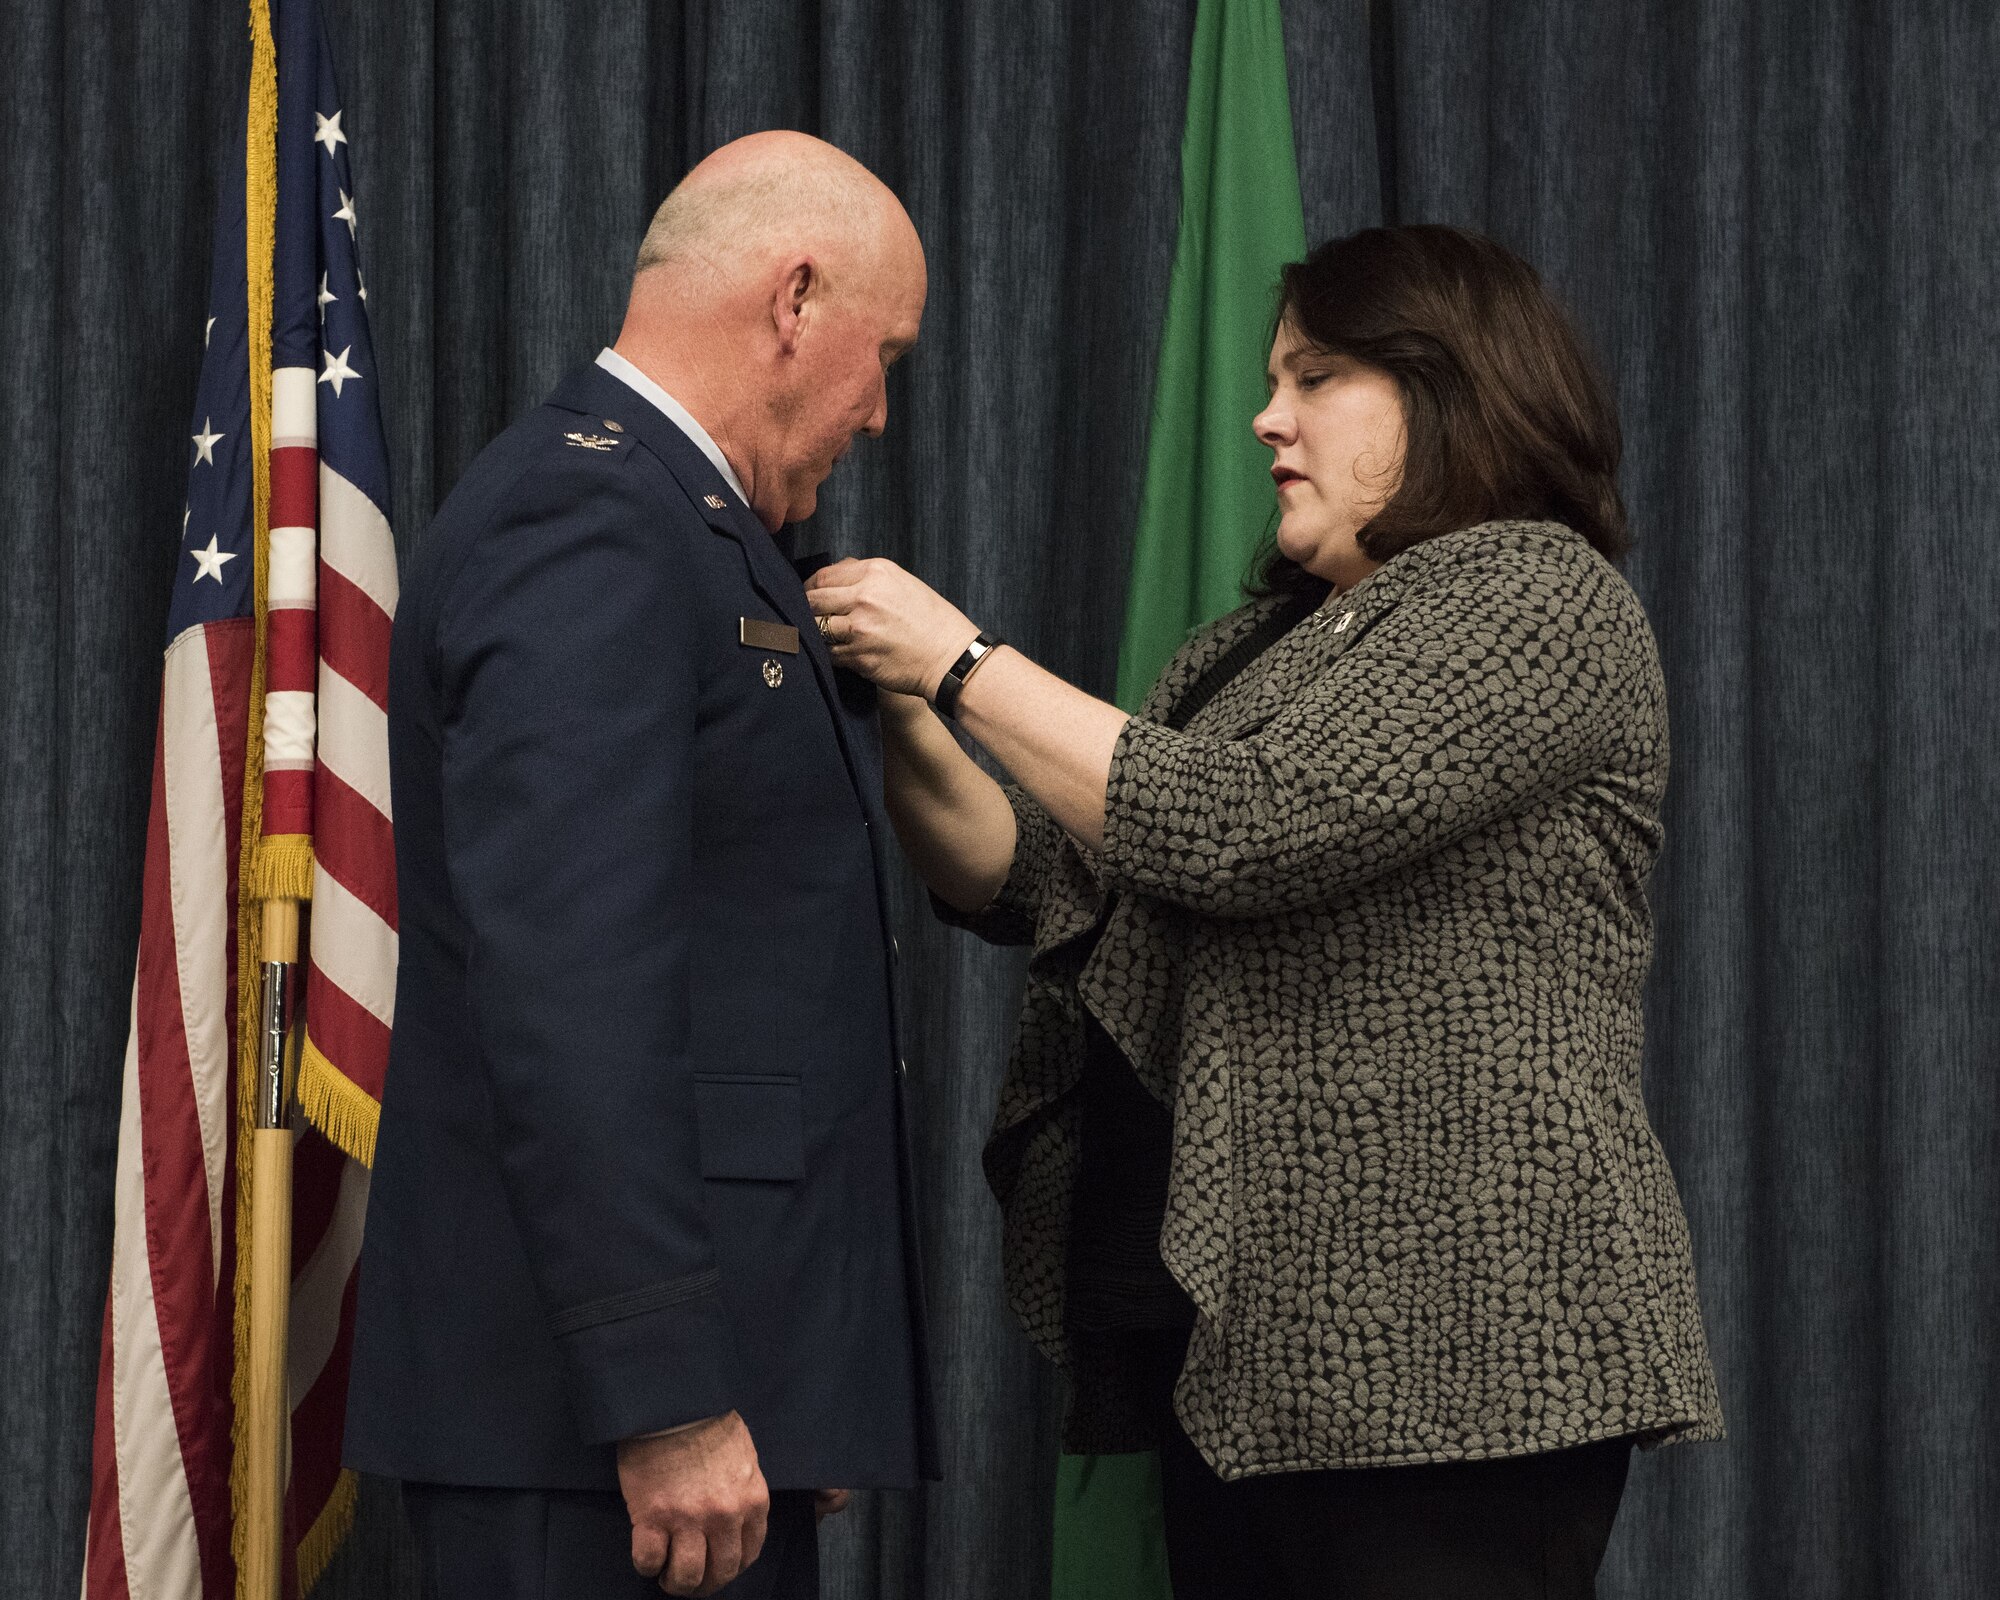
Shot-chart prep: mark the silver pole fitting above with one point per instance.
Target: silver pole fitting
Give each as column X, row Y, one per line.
column 273, row 1092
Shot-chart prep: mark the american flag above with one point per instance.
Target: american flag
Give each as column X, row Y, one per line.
column 270, row 778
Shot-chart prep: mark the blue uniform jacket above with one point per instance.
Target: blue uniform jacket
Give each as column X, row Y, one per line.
column 643, row 1153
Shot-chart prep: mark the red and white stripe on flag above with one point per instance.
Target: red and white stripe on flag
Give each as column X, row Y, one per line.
column 351, row 983
column 160, row 1502
column 160, row 1516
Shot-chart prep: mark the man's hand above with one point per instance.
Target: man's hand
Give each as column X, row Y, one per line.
column 698, row 1504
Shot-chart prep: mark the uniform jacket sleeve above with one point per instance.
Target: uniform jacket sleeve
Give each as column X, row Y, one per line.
column 1511, row 681
column 566, row 673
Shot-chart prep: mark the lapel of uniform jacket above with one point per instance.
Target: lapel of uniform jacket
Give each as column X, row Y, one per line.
column 779, row 584
column 594, row 391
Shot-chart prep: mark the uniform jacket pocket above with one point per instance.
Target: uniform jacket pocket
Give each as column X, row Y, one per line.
column 750, row 1126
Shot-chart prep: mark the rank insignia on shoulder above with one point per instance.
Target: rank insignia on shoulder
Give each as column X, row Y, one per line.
column 715, row 502
column 590, row 441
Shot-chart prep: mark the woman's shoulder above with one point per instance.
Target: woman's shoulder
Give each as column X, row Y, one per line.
column 1521, row 545
column 1547, row 567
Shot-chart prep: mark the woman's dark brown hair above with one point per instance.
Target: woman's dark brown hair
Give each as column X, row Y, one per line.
column 1504, row 415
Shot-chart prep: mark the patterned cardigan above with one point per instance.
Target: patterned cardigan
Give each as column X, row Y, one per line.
column 1378, row 938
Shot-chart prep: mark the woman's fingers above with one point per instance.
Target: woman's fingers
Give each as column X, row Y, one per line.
column 831, row 599
column 843, row 571
column 848, row 620
column 886, row 624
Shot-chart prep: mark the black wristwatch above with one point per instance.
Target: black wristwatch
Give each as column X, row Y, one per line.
column 953, row 681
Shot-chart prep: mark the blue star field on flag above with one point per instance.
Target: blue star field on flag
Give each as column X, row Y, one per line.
column 320, row 313
column 319, row 320
column 214, row 579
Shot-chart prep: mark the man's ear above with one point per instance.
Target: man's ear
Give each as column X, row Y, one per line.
column 792, row 304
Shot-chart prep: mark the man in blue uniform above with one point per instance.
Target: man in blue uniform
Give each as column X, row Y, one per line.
column 640, row 1286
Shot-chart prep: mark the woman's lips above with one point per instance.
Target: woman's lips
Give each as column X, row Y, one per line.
column 1284, row 478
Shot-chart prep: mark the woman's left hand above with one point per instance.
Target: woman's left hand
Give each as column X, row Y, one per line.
column 887, row 625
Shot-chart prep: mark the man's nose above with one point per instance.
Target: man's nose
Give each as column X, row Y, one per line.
column 878, row 419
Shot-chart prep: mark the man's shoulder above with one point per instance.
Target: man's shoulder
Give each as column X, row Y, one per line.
column 550, row 485
column 553, row 465
column 549, row 453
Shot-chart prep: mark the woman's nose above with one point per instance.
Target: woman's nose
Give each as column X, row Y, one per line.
column 1272, row 425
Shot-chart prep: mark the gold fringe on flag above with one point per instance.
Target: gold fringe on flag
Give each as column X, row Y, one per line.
column 283, row 868
column 260, row 207
column 336, row 1105
column 322, row 1540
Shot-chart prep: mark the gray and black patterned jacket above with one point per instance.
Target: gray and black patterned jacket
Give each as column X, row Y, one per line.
column 1378, row 937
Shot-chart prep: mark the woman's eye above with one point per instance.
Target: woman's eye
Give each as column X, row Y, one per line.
column 1312, row 380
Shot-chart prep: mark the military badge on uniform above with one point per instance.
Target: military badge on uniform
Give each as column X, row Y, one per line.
column 715, row 502
column 774, row 672
column 590, row 441
column 761, row 635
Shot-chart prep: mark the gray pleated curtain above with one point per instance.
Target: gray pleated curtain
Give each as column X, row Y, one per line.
column 1776, row 221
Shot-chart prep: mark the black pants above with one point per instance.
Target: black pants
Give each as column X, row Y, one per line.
column 1525, row 1528
column 1528, row 1528
column 554, row 1544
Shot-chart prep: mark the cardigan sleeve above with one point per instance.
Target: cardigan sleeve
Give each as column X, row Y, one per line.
column 1519, row 679
column 1010, row 916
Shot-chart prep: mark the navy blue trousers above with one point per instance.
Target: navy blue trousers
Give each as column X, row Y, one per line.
column 558, row 1544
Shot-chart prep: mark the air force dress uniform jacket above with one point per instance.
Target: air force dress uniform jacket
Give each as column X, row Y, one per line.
column 643, row 1153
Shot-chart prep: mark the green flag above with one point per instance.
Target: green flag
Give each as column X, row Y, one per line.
column 1207, row 500
column 1208, row 495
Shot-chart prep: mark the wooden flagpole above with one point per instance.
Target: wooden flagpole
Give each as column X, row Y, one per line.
column 267, row 1428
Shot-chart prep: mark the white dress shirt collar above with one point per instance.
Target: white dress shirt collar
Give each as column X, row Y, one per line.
column 676, row 413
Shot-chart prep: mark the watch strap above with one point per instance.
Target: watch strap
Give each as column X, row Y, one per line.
column 953, row 681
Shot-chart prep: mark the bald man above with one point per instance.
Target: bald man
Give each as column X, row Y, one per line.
column 640, row 1291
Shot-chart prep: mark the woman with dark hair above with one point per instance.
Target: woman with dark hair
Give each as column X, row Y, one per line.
column 1321, row 1154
